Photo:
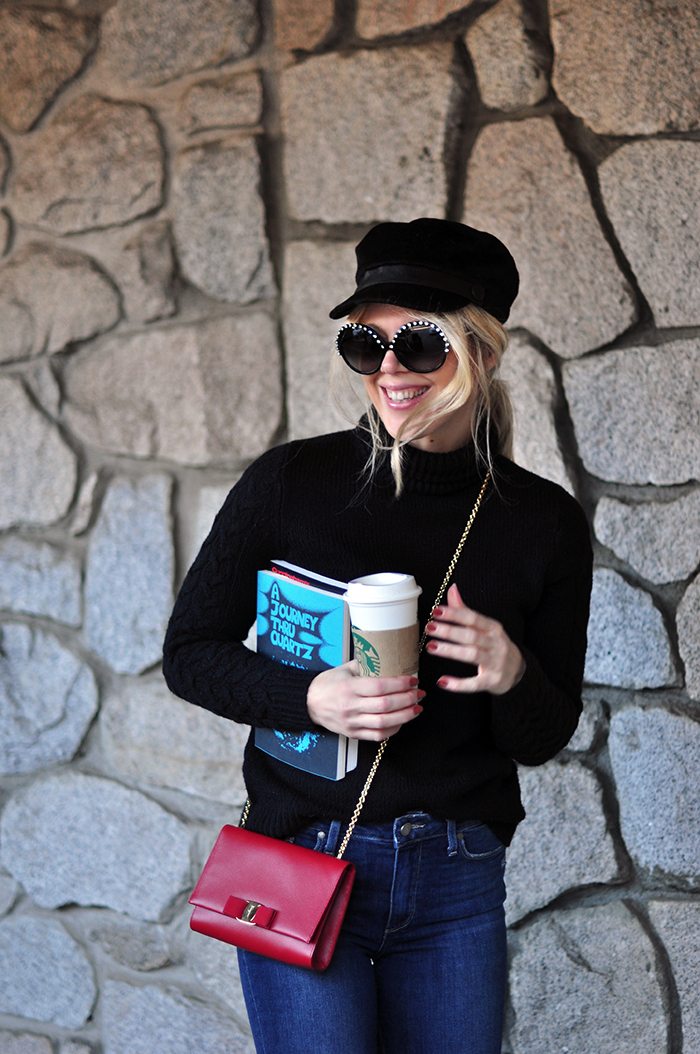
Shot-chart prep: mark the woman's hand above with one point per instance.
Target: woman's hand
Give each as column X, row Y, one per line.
column 466, row 636
column 344, row 701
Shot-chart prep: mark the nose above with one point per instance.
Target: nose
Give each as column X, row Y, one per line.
column 390, row 364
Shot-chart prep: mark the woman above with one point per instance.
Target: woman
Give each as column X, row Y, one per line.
column 420, row 965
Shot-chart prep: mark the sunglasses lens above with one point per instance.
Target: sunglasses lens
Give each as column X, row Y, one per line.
column 421, row 348
column 361, row 351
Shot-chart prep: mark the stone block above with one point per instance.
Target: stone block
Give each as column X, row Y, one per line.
column 47, row 697
column 373, row 125
column 655, row 757
column 230, row 103
column 150, row 735
column 650, row 192
column 8, row 894
column 82, row 514
column 38, row 471
column 143, row 265
column 508, row 72
column 688, row 622
column 24, row 1043
column 378, row 17
column 628, row 67
column 129, row 578
column 5, row 223
column 71, row 1047
column 660, row 540
column 586, row 980
column 46, row 975
column 678, row 925
column 302, row 23
column 636, row 413
column 153, row 1021
column 137, row 945
column 525, row 187
column 318, row 275
column 533, row 392
column 158, row 40
column 50, row 298
column 588, row 724
column 40, row 51
column 74, row 839
column 219, row 222
column 38, row 579
column 96, row 164
column 563, row 843
column 209, row 501
column 216, row 966
column 201, row 394
column 628, row 646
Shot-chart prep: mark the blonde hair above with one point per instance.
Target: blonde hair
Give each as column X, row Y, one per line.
column 478, row 341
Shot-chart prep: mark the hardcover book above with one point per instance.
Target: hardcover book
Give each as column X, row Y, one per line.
column 302, row 620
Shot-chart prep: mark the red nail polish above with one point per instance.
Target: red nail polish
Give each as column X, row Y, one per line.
column 431, row 646
column 413, row 682
column 421, row 694
column 436, row 613
column 442, row 682
column 430, row 628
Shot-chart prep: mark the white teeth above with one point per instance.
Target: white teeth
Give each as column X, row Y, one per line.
column 404, row 395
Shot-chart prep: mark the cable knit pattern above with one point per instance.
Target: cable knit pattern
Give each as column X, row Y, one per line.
column 527, row 563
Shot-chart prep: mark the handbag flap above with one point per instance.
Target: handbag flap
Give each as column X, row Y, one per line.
column 266, row 882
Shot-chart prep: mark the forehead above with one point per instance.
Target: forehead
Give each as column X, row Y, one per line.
column 386, row 318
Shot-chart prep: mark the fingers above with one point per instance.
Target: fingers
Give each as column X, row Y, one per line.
column 362, row 707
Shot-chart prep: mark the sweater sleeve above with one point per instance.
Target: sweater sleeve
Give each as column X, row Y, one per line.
column 204, row 658
column 536, row 719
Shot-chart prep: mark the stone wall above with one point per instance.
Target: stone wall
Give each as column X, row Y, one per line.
column 182, row 184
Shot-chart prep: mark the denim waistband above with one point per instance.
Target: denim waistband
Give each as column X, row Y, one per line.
column 411, row 827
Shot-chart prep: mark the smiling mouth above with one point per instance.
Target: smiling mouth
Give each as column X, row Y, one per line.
column 404, row 395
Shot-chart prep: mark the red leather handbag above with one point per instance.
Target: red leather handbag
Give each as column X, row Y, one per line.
column 272, row 897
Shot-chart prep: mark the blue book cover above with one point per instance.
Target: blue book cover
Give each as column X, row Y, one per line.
column 302, row 620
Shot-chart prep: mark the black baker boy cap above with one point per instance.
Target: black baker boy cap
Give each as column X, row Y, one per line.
column 433, row 265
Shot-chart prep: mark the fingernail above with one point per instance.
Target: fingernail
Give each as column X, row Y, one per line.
column 443, row 682
column 413, row 682
column 430, row 628
column 436, row 613
column 421, row 694
column 417, row 709
column 431, row 646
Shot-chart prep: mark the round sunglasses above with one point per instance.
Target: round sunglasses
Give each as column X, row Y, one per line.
column 420, row 347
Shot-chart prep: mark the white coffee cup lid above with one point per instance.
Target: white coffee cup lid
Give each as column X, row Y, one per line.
column 384, row 588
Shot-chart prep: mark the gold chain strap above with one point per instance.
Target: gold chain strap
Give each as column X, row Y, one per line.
column 382, row 746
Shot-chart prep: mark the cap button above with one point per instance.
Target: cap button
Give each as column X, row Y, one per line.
column 478, row 292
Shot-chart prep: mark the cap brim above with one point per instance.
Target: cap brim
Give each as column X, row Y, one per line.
column 412, row 297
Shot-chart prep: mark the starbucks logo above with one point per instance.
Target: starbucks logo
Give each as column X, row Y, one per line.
column 366, row 655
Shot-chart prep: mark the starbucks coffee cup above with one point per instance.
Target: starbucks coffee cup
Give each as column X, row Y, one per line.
column 384, row 617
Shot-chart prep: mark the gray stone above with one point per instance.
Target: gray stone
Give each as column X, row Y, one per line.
column 688, row 621
column 678, row 925
column 660, row 540
column 8, row 894
column 526, row 188
column 130, row 567
column 587, row 727
column 82, row 513
column 655, row 758
column 201, row 394
column 650, row 193
column 230, row 103
column 152, row 1021
column 533, row 392
column 220, row 222
column 384, row 113
column 216, row 966
column 377, row 17
column 149, row 43
column 38, row 471
column 563, row 843
column 40, row 580
column 318, row 275
column 586, row 980
column 628, row 646
column 5, row 224
column 143, row 266
column 47, row 699
column 41, row 381
column 150, row 735
column 50, row 298
column 74, row 839
column 96, row 164
column 40, row 51
column 45, row 974
column 628, row 67
column 636, row 412
column 506, row 63
column 302, row 23
column 24, row 1043
column 138, row 945
column 71, row 1047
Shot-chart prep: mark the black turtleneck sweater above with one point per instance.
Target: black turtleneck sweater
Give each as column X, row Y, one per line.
column 526, row 563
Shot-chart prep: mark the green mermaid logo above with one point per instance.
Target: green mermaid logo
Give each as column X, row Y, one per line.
column 366, row 655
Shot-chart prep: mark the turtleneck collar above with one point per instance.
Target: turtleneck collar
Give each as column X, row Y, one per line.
column 424, row 471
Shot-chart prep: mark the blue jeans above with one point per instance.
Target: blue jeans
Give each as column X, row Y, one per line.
column 420, row 964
